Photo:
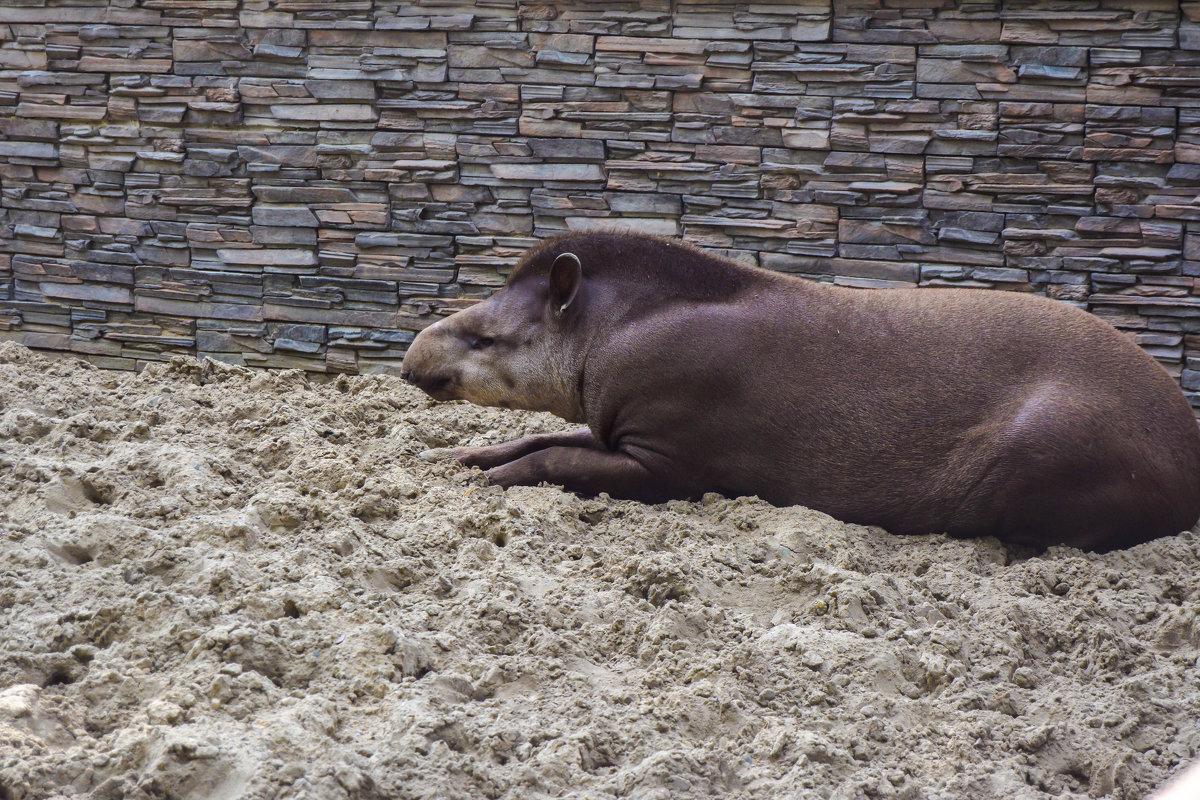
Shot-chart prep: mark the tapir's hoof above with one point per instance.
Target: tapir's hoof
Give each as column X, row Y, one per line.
column 498, row 476
column 437, row 454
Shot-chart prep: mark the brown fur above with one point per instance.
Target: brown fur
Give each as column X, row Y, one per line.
column 925, row 410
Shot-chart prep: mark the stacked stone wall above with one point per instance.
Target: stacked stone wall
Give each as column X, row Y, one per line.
column 296, row 183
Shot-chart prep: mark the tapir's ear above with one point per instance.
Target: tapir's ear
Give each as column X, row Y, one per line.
column 566, row 273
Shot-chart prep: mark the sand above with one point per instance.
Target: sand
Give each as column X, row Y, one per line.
column 222, row 583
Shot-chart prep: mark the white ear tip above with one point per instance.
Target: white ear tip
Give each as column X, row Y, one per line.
column 571, row 256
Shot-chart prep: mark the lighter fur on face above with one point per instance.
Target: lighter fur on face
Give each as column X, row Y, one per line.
column 495, row 353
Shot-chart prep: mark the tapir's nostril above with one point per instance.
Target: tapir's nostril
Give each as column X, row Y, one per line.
column 407, row 374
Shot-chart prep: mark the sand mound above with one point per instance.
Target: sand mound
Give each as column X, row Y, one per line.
column 223, row 583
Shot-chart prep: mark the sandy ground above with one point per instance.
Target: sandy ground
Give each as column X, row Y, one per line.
column 218, row 583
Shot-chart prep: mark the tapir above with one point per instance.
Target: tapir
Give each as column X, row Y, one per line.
column 921, row 410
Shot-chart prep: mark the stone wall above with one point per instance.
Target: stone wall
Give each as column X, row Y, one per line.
column 304, row 183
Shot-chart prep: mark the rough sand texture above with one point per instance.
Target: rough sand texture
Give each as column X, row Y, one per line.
column 217, row 583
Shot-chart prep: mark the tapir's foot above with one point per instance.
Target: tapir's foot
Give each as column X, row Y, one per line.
column 483, row 457
column 495, row 455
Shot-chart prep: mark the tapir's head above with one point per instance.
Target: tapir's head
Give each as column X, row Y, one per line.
column 514, row 350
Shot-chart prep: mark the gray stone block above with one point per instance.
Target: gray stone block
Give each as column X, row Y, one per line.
column 283, row 215
column 26, row 149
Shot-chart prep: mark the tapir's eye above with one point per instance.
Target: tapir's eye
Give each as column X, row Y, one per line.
column 480, row 342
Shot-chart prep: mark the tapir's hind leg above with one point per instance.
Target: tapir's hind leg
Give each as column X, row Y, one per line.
column 494, row 455
column 1066, row 475
column 1100, row 506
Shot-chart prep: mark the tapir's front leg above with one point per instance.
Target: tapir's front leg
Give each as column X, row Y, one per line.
column 496, row 454
column 587, row 472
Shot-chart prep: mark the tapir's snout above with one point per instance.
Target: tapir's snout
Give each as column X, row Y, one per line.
column 425, row 383
column 433, row 386
column 424, row 366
